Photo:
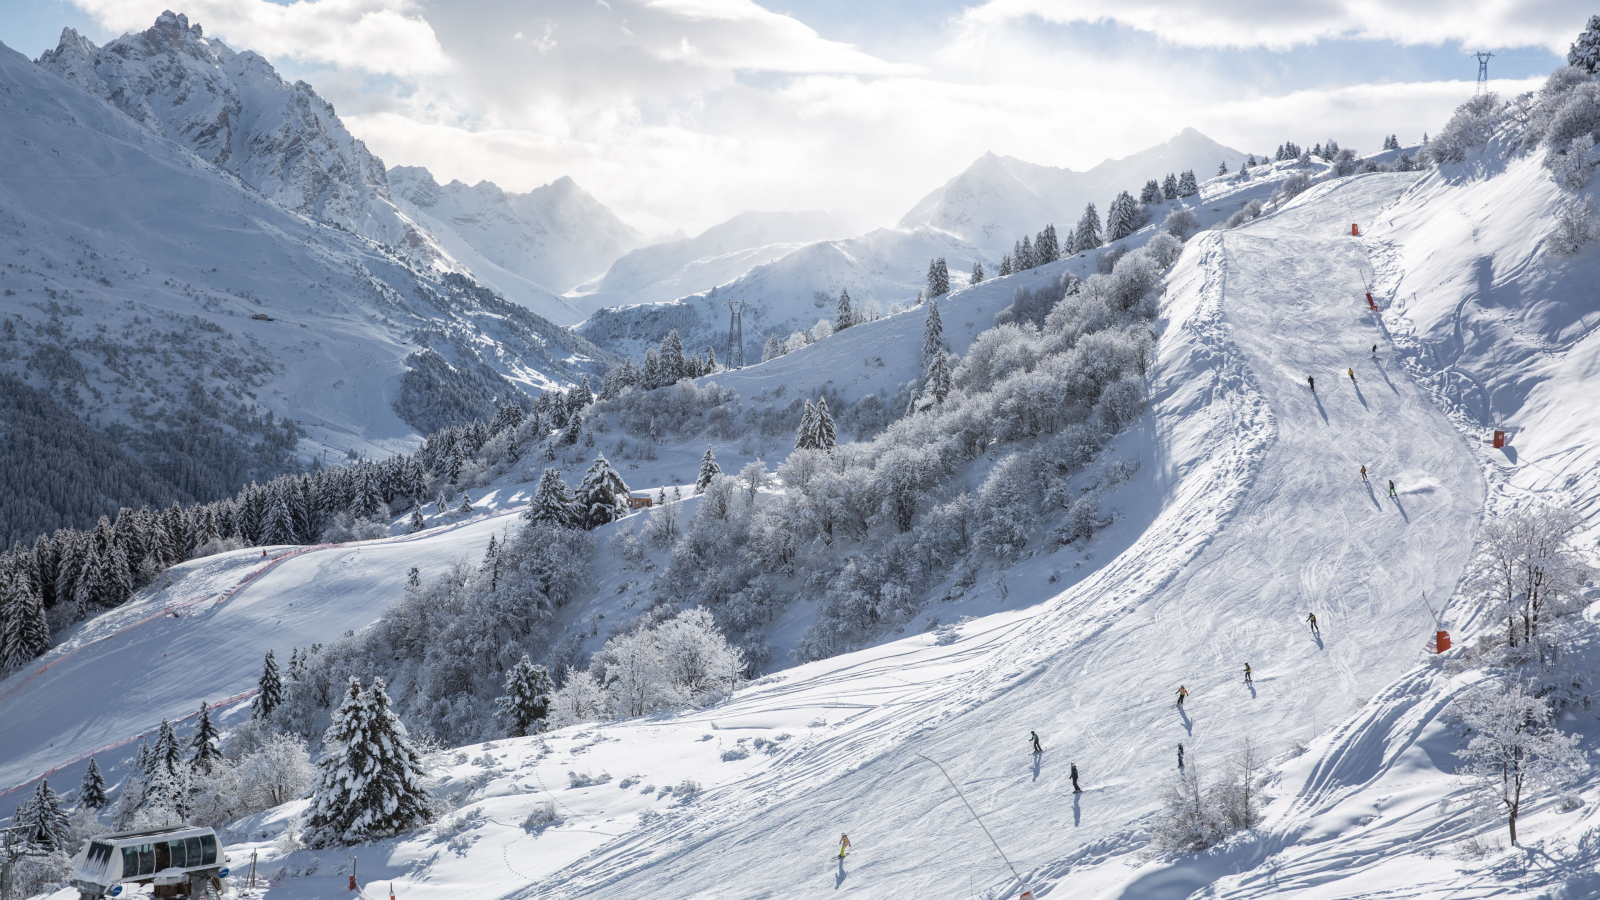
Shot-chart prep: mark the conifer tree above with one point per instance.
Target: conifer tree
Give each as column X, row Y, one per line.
column 1007, row 267
column 204, row 745
column 938, row 278
column 1222, row 169
column 977, row 273
column 370, row 782
column 1169, row 187
column 269, row 690
column 932, row 334
column 1122, row 219
column 845, row 316
column 44, row 823
column 939, row 378
column 24, row 631
column 278, row 527
column 1087, row 236
column 806, row 435
column 709, row 470
column 1046, row 249
column 773, row 349
column 671, row 358
column 1585, row 52
column 1188, row 185
column 552, row 500
column 602, row 497
column 1151, row 192
column 465, row 508
column 825, row 430
column 526, row 701
column 1023, row 257
column 417, row 523
column 92, row 790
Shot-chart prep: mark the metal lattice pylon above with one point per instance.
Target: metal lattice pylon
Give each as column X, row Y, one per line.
column 735, row 334
column 1483, row 70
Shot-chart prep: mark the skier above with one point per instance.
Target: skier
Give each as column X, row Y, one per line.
column 1363, row 473
column 1075, row 788
column 1391, row 490
column 1182, row 693
column 1037, row 748
column 1312, row 380
column 1374, row 349
column 1312, row 619
column 1352, row 372
column 1247, row 674
column 1180, row 757
column 844, row 844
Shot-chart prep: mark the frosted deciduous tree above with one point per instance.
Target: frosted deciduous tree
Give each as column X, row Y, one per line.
column 1576, row 226
column 526, row 701
column 1527, row 570
column 1514, row 752
column 552, row 500
column 709, row 470
column 370, row 783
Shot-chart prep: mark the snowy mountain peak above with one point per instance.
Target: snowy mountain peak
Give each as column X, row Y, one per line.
column 234, row 111
column 998, row 199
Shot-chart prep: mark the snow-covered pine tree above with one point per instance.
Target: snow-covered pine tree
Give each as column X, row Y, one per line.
column 205, row 752
column 939, row 379
column 1122, row 219
column 1188, row 185
column 24, row 631
column 552, row 500
column 844, row 316
column 1222, row 169
column 92, row 790
column 1279, row 157
column 269, row 690
column 671, row 358
column 932, row 334
column 44, row 823
column 1022, row 256
column 278, row 526
column 933, row 278
column 527, row 698
column 465, row 508
column 1087, row 236
column 370, row 781
column 1169, row 187
column 941, row 278
column 417, row 523
column 1007, row 267
column 977, row 273
column 709, row 470
column 1585, row 51
column 773, row 349
column 825, row 428
column 805, row 437
column 1250, row 161
column 1048, row 246
column 602, row 497
column 1151, row 192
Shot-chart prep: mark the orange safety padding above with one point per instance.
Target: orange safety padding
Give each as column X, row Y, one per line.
column 1499, row 438
column 1441, row 641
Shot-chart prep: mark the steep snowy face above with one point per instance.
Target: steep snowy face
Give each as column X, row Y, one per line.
column 673, row 269
column 998, row 199
column 234, row 111
column 882, row 270
column 553, row 236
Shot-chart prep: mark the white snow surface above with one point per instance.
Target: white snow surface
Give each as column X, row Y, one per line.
column 998, row 199
column 1247, row 513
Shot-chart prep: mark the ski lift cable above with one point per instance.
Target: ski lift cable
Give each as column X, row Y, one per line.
column 979, row 820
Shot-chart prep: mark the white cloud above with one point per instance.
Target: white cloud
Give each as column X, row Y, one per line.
column 382, row 37
column 1282, row 24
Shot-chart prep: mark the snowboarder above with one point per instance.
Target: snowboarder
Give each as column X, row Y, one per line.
column 1363, row 473
column 1075, row 788
column 844, row 844
column 1352, row 372
column 1037, row 747
column 1391, row 490
column 1312, row 619
column 1180, row 757
column 1312, row 380
column 1247, row 674
column 1182, row 693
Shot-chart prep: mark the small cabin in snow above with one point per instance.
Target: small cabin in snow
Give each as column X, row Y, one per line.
column 178, row 862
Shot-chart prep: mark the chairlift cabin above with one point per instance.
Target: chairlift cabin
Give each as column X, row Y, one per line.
column 180, row 862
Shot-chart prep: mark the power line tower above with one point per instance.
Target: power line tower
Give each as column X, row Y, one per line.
column 1483, row 70
column 735, row 334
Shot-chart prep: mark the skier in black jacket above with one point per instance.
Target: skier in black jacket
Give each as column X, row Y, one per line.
column 1075, row 788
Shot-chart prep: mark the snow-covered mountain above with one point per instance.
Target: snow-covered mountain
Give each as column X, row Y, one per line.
column 551, row 237
column 722, row 253
column 234, row 111
column 194, row 317
column 880, row 269
column 998, row 199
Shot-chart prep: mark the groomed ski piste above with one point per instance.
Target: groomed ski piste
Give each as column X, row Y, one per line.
column 1250, row 513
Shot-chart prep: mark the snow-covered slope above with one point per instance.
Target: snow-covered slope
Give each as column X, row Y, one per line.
column 233, row 110
column 884, row 268
column 673, row 269
column 998, row 199
column 161, row 298
column 552, row 237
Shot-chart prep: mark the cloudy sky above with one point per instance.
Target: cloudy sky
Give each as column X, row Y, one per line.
column 680, row 113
